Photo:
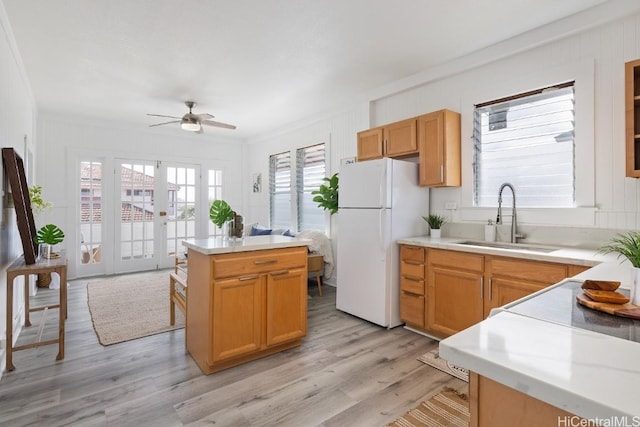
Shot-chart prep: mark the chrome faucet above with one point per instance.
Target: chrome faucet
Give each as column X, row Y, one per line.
column 514, row 235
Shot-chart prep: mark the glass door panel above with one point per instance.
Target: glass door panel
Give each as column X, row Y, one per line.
column 136, row 188
column 91, row 220
column 181, row 190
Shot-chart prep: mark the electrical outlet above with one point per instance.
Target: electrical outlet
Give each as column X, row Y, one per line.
column 451, row 206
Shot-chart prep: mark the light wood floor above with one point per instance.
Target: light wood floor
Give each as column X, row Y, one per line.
column 348, row 372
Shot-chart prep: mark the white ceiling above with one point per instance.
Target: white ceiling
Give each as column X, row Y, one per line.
column 258, row 64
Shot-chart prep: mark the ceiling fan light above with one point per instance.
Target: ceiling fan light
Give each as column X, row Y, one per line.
column 190, row 125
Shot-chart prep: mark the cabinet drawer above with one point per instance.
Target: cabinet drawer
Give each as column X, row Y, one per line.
column 413, row 285
column 412, row 254
column 533, row 271
column 412, row 270
column 412, row 309
column 240, row 264
column 457, row 260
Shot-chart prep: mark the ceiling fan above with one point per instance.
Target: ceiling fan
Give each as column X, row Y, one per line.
column 192, row 122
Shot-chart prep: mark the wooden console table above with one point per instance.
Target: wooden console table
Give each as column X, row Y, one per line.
column 20, row 268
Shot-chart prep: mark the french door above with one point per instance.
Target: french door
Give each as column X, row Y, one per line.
column 155, row 209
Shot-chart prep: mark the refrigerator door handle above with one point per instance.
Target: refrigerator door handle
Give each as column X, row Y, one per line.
column 381, row 229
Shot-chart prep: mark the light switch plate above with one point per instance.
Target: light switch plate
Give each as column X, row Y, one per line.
column 451, row 206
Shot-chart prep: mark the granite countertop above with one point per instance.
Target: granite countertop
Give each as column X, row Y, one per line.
column 547, row 346
column 246, row 244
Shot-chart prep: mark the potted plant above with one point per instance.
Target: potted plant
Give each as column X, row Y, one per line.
column 48, row 236
column 435, row 224
column 38, row 204
column 327, row 195
column 628, row 246
column 221, row 214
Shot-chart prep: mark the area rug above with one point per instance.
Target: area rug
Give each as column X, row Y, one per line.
column 432, row 358
column 447, row 408
column 131, row 306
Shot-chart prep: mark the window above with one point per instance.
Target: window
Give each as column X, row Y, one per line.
column 280, row 190
column 528, row 141
column 214, row 185
column 90, row 212
column 310, row 170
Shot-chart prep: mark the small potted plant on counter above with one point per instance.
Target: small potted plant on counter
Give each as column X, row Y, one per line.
column 435, row 224
column 222, row 215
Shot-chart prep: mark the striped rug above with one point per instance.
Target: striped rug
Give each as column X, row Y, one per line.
column 447, row 408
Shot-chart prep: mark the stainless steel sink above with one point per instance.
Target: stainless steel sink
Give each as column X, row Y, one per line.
column 509, row 246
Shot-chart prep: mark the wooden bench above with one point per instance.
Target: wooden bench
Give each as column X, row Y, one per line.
column 178, row 289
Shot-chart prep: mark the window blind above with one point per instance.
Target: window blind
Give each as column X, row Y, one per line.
column 310, row 171
column 280, row 190
column 528, row 141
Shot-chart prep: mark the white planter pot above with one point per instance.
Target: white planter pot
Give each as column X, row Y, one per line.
column 436, row 233
column 635, row 286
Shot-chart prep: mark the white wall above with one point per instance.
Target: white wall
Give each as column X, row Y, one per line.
column 17, row 117
column 594, row 57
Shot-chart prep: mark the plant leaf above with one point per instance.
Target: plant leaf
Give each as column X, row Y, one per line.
column 220, row 212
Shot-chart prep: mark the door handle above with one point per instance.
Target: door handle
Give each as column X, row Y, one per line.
column 265, row 261
column 245, row 278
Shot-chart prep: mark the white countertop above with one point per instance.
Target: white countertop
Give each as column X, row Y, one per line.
column 568, row 255
column 249, row 243
column 589, row 374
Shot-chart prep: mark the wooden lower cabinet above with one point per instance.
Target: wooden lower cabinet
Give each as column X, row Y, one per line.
column 412, row 285
column 493, row 404
column 443, row 292
column 242, row 306
column 454, row 291
column 510, row 279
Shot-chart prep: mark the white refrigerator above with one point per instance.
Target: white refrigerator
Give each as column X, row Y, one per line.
column 380, row 202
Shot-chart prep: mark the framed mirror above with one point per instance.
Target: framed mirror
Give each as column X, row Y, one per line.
column 14, row 170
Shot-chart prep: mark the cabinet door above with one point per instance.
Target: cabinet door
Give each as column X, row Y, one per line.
column 454, row 300
column 502, row 291
column 439, row 147
column 370, row 144
column 412, row 309
column 286, row 304
column 400, row 138
column 237, row 312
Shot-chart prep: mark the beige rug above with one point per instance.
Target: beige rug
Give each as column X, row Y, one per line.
column 432, row 358
column 131, row 306
column 447, row 408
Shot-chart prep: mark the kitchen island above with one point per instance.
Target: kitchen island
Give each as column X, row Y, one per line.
column 545, row 360
column 246, row 298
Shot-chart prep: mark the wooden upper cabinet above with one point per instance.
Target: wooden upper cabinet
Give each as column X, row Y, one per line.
column 393, row 140
column 399, row 138
column 439, row 148
column 370, row 144
column 632, row 117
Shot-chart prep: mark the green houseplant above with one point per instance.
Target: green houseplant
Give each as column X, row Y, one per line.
column 435, row 221
column 220, row 212
column 628, row 246
column 49, row 235
column 625, row 245
column 38, row 204
column 435, row 224
column 327, row 195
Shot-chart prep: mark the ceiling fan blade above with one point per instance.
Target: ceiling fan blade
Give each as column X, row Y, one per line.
column 205, row 116
column 165, row 123
column 161, row 115
column 217, row 124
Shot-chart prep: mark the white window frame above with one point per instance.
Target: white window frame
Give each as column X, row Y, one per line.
column 582, row 72
column 300, row 178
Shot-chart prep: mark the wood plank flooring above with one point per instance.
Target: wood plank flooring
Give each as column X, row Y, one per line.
column 348, row 372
